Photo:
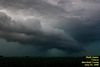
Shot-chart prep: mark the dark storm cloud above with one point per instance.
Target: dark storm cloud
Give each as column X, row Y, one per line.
column 38, row 5
column 14, row 31
column 57, row 26
column 9, row 25
column 88, row 34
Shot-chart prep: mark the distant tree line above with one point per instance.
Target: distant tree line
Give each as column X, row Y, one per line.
column 1, row 56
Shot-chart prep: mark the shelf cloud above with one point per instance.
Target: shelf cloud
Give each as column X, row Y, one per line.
column 66, row 25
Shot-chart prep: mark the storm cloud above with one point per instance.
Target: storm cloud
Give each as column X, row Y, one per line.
column 66, row 25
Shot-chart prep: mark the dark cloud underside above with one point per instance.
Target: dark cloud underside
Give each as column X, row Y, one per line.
column 63, row 26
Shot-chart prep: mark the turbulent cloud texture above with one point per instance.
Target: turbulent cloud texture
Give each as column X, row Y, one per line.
column 54, row 25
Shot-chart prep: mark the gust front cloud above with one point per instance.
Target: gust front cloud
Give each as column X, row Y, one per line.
column 60, row 24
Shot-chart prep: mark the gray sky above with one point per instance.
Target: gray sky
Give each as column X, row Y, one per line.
column 49, row 27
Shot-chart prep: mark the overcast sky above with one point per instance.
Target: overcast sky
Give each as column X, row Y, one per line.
column 49, row 27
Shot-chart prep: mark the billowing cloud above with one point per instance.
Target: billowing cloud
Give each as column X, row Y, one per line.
column 66, row 25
